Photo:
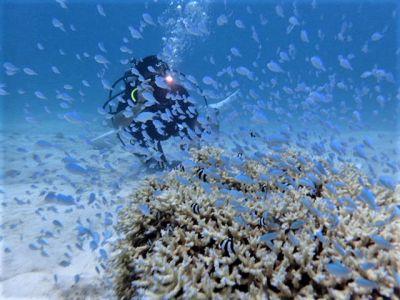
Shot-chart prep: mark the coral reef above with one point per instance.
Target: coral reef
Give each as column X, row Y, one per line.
column 283, row 225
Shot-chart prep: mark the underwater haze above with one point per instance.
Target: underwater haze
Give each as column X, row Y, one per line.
column 318, row 77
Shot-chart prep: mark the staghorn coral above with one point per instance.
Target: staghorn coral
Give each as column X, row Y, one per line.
column 229, row 228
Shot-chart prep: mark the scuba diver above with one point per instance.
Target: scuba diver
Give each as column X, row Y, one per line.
column 152, row 107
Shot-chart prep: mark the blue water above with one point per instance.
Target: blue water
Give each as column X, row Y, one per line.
column 19, row 41
column 352, row 96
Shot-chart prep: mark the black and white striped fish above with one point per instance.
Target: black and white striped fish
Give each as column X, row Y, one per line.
column 264, row 188
column 262, row 222
column 158, row 215
column 180, row 167
column 195, row 208
column 169, row 229
column 227, row 246
column 202, row 176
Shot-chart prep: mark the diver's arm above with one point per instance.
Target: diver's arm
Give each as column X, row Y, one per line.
column 110, row 97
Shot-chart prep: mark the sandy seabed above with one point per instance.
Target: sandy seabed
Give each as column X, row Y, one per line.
column 34, row 165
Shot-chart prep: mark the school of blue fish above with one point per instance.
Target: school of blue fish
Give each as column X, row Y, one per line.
column 291, row 76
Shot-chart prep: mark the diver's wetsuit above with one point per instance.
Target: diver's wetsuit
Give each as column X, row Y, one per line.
column 171, row 109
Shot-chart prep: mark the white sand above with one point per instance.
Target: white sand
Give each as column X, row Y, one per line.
column 25, row 273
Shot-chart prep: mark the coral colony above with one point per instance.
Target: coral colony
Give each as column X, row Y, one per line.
column 285, row 225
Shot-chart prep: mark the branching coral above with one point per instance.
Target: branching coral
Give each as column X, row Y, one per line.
column 282, row 226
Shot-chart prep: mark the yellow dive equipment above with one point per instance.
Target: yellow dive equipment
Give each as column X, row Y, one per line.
column 133, row 97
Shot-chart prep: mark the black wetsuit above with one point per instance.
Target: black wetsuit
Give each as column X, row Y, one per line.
column 171, row 102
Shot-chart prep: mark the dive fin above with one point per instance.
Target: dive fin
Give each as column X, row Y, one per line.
column 220, row 104
column 105, row 134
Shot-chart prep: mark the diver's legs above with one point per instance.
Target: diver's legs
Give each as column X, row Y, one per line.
column 160, row 163
column 161, row 151
column 136, row 143
column 150, row 162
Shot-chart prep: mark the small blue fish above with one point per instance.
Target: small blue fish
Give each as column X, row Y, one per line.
column 75, row 168
column 96, row 237
column 320, row 168
column 276, row 172
column 103, row 254
column 387, row 182
column 339, row 248
column 92, row 198
column 368, row 197
column 268, row 236
column 37, row 158
column 240, row 220
column 331, row 188
column 381, row 242
column 244, row 178
column 219, row 203
column 144, row 209
column 337, row 147
column 188, row 164
column 93, row 245
column 367, row 265
column 297, row 224
column 359, row 151
column 64, row 263
column 276, row 139
column 306, row 182
column 366, row 283
column 308, row 204
column 182, row 180
column 57, row 223
column 293, row 239
column 313, row 178
column 238, row 207
column 108, row 222
column 233, row 193
column 206, row 187
column 33, row 247
column 107, row 234
column 73, row 117
column 77, row 277
column 319, row 234
column 60, row 198
column 44, row 144
column 83, row 230
column 42, row 241
column 338, row 269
